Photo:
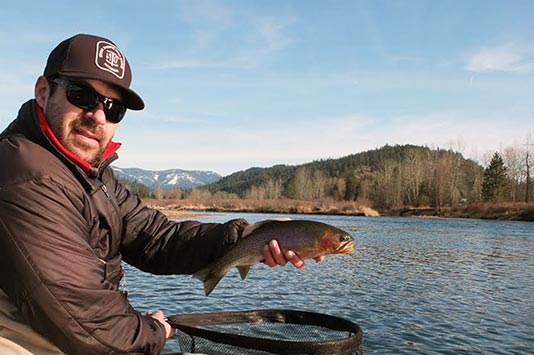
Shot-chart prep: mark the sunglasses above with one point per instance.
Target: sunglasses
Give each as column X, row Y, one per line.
column 85, row 97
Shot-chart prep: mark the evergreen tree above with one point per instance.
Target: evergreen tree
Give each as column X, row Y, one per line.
column 417, row 176
column 142, row 191
column 495, row 180
column 352, row 188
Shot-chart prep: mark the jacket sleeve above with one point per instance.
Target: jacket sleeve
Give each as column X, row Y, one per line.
column 50, row 272
column 155, row 244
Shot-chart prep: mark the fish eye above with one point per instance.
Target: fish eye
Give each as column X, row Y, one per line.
column 345, row 238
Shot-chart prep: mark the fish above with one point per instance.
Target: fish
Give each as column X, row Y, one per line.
column 308, row 239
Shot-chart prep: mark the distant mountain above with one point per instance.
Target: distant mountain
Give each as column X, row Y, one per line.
column 167, row 179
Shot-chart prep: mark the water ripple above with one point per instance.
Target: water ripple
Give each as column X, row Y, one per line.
column 415, row 286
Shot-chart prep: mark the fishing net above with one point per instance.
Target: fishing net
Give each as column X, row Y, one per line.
column 265, row 332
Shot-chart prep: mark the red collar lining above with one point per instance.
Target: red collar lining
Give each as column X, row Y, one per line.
column 112, row 147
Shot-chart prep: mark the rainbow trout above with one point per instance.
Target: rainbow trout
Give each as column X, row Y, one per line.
column 308, row 239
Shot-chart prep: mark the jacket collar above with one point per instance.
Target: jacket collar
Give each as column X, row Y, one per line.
column 31, row 123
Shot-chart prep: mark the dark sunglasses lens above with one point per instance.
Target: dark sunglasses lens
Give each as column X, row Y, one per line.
column 82, row 97
column 114, row 111
column 87, row 99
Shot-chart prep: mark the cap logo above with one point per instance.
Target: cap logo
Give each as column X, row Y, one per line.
column 110, row 59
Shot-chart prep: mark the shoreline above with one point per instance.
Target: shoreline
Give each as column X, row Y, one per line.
column 490, row 211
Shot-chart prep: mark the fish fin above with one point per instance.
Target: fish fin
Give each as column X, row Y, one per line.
column 243, row 271
column 209, row 278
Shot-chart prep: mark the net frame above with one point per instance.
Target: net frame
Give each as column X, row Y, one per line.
column 192, row 324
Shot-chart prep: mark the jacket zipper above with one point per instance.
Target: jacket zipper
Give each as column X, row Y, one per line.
column 105, row 189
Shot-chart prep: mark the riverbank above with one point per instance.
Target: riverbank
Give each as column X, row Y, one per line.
column 513, row 211
column 179, row 207
column 509, row 211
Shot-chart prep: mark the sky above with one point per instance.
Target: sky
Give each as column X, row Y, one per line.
column 230, row 85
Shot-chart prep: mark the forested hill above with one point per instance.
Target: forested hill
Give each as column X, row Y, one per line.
column 388, row 177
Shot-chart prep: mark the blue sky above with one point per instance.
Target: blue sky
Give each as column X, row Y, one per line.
column 230, row 85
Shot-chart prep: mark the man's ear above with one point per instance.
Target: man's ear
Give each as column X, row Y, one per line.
column 42, row 91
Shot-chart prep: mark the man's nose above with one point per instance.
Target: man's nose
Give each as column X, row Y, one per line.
column 97, row 114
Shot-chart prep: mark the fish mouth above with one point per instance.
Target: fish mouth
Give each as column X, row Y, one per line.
column 346, row 247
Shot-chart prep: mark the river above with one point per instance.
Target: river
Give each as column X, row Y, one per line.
column 414, row 285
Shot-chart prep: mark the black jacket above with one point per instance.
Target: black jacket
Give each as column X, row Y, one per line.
column 62, row 234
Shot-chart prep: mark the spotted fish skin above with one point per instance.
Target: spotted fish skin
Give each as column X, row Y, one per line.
column 308, row 239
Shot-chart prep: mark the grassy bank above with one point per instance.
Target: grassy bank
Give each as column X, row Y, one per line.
column 513, row 211
column 517, row 211
column 176, row 206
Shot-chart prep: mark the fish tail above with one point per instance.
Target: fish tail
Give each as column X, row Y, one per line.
column 209, row 278
column 210, row 284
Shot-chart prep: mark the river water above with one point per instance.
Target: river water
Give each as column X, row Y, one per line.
column 414, row 285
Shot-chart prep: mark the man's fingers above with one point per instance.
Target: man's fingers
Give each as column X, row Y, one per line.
column 269, row 260
column 294, row 259
column 278, row 256
column 274, row 256
column 159, row 316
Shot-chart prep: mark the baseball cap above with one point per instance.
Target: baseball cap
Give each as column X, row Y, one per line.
column 92, row 57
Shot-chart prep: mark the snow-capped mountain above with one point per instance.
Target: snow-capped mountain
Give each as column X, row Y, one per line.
column 167, row 179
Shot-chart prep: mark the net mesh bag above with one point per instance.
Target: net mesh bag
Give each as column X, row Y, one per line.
column 265, row 332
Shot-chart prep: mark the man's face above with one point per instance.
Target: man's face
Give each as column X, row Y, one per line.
column 84, row 133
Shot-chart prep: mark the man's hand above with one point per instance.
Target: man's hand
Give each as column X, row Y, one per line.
column 169, row 331
column 274, row 256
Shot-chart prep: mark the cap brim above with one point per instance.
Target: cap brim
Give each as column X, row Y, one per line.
column 131, row 100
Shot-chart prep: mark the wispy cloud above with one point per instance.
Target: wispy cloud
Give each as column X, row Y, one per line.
column 205, row 13
column 273, row 34
column 189, row 64
column 7, row 37
column 242, row 40
column 513, row 58
column 266, row 40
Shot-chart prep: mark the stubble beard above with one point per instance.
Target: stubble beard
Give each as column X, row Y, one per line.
column 66, row 134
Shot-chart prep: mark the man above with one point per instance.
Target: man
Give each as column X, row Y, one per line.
column 66, row 222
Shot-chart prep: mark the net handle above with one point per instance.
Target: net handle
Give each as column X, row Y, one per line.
column 191, row 324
